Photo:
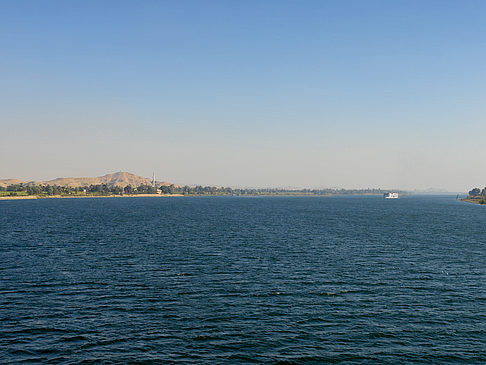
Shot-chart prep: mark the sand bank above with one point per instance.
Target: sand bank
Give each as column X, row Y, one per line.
column 26, row 197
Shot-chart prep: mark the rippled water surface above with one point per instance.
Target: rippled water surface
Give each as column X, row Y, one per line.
column 241, row 280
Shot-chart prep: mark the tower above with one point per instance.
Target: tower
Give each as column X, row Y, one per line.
column 153, row 179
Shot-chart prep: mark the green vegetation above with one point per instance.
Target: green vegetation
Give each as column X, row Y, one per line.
column 56, row 190
column 477, row 196
column 106, row 190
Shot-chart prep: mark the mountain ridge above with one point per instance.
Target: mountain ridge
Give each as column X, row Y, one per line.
column 121, row 178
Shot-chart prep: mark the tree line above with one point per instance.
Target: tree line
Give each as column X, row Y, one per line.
column 106, row 190
column 101, row 189
column 478, row 194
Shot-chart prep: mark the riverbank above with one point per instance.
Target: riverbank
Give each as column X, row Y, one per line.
column 268, row 194
column 478, row 200
column 29, row 197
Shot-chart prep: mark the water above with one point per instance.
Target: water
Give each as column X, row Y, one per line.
column 240, row 280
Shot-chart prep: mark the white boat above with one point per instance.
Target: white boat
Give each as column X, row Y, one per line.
column 390, row 195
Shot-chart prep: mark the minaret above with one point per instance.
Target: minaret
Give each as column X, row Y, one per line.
column 153, row 179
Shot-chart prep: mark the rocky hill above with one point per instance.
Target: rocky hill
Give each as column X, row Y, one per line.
column 117, row 179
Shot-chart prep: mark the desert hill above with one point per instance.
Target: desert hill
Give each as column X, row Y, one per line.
column 117, row 179
column 7, row 182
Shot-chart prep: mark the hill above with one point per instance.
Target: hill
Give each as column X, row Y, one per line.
column 121, row 179
column 117, row 179
column 7, row 182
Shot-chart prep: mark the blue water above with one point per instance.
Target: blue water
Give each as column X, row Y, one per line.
column 239, row 280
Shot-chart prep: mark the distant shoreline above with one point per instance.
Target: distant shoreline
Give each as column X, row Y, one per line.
column 33, row 197
column 478, row 201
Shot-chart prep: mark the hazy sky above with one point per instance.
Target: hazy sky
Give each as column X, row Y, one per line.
column 387, row 94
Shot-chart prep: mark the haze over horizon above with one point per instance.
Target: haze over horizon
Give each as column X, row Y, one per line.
column 351, row 94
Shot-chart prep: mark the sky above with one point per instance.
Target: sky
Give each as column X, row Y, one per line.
column 348, row 94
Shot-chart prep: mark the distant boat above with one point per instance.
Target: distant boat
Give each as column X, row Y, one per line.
column 390, row 195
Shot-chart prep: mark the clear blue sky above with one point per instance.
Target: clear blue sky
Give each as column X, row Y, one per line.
column 246, row 93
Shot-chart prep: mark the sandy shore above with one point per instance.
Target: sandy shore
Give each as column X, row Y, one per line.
column 23, row 197
column 474, row 201
column 27, row 197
